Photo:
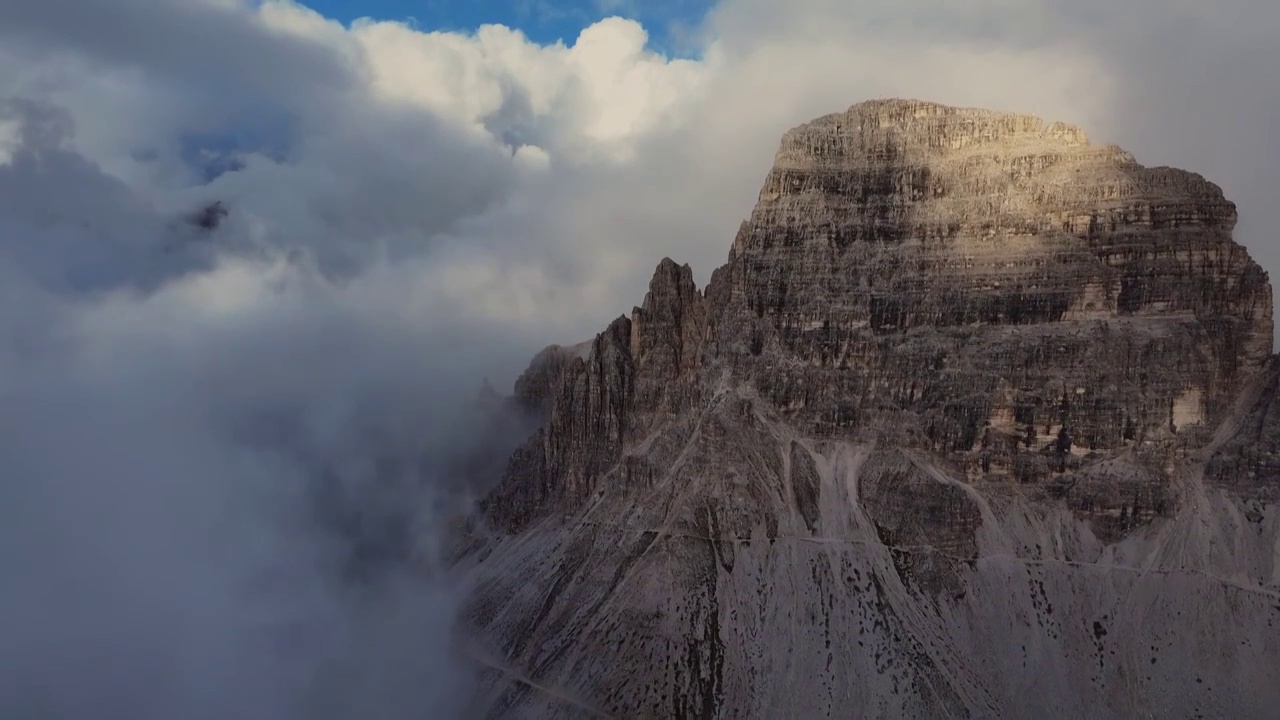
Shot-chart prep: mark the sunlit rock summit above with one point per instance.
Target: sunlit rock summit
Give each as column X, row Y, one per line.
column 978, row 420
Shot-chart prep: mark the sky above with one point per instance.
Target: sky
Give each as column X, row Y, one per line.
column 203, row 427
column 671, row 23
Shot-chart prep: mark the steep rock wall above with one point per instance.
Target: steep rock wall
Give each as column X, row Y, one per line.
column 977, row 421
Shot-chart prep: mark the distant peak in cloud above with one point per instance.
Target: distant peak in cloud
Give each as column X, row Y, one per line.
column 209, row 217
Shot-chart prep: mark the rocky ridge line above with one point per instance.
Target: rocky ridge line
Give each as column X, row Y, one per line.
column 975, row 359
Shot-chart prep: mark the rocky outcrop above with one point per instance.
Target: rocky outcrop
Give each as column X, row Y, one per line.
column 1244, row 459
column 666, row 337
column 583, row 435
column 984, row 270
column 976, row 421
column 600, row 399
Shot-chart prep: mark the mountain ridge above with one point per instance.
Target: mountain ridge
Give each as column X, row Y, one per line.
column 957, row 361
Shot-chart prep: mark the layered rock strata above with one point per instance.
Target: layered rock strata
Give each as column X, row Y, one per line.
column 977, row 421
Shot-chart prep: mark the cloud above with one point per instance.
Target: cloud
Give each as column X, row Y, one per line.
column 206, row 447
column 225, row 444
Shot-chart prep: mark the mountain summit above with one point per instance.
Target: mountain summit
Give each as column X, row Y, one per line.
column 978, row 420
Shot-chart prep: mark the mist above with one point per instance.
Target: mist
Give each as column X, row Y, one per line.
column 228, row 467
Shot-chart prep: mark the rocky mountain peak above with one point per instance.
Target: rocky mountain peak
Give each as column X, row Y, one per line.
column 667, row 329
column 921, row 127
column 906, row 234
column 968, row 395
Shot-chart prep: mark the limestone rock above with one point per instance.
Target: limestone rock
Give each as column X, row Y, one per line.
column 536, row 389
column 978, row 420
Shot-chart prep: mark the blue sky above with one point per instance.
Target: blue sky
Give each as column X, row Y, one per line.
column 545, row 21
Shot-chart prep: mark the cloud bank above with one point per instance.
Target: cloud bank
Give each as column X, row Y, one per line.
column 227, row 446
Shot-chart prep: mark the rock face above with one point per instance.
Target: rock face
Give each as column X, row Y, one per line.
column 979, row 420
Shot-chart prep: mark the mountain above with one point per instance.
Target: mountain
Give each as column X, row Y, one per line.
column 978, row 420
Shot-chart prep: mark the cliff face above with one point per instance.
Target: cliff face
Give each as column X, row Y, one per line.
column 973, row 412
column 994, row 277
